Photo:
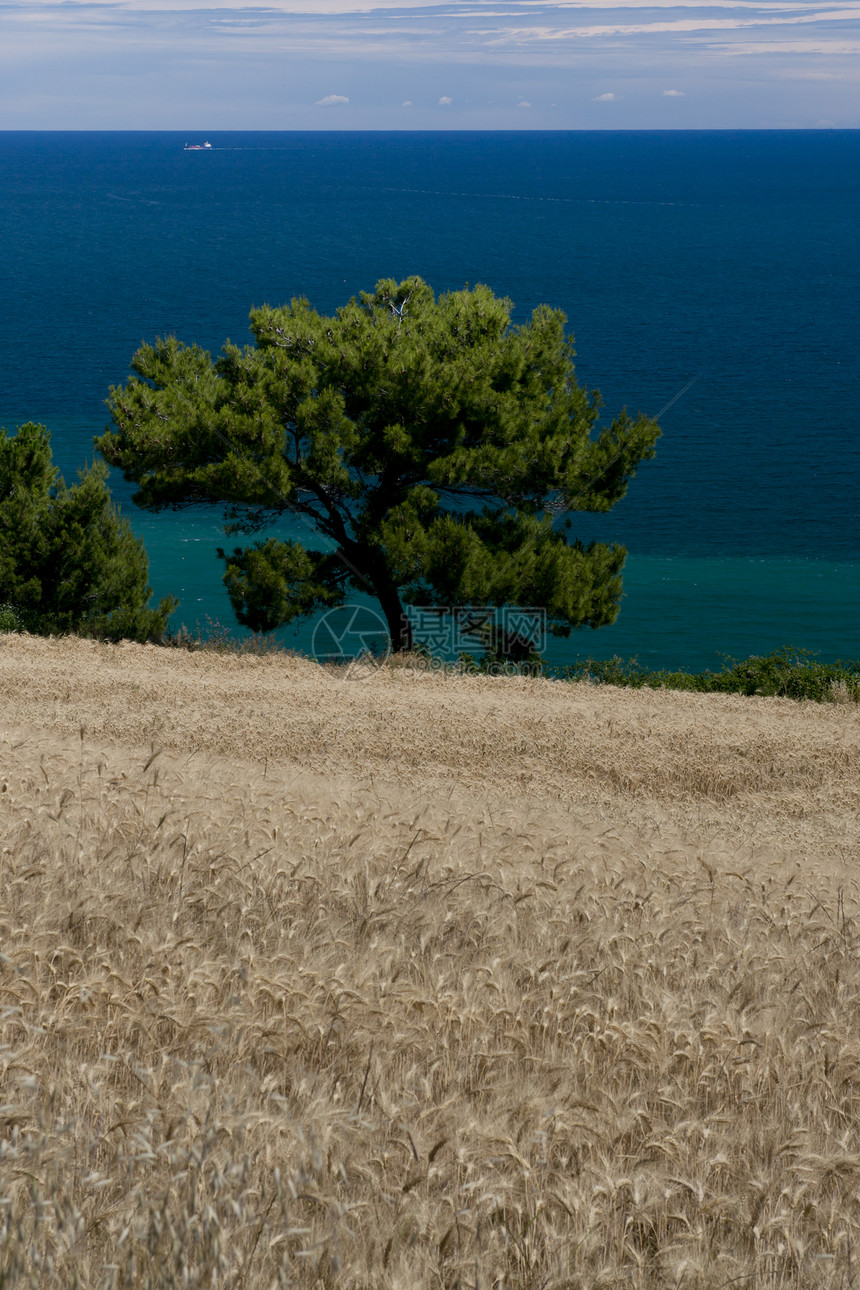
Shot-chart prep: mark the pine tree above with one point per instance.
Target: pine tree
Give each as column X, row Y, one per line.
column 432, row 447
column 69, row 561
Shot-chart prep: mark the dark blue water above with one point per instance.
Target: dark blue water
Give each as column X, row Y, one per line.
column 730, row 259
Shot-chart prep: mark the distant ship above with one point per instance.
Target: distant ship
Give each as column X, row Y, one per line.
column 197, row 147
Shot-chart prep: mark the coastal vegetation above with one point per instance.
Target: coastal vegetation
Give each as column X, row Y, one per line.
column 330, row 978
column 69, row 561
column 430, row 447
column 784, row 673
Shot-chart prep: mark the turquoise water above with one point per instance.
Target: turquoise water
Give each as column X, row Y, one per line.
column 742, row 605
column 678, row 611
column 724, row 267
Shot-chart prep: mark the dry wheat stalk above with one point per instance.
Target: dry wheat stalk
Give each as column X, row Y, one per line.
column 303, row 1019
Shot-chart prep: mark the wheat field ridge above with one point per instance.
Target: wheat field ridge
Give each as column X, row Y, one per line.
column 402, row 980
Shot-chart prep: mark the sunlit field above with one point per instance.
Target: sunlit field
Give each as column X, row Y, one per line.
column 377, row 978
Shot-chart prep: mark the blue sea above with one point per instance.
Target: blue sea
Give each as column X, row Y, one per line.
column 712, row 278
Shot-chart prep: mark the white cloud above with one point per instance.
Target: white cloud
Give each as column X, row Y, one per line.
column 225, row 62
column 834, row 47
column 522, row 37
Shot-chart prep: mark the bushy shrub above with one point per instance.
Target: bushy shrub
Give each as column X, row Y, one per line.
column 9, row 619
column 784, row 673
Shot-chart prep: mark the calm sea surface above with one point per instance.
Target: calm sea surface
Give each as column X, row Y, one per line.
column 729, row 260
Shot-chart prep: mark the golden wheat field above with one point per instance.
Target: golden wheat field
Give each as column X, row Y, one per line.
column 411, row 981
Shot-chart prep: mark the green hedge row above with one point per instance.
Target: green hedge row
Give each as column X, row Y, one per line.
column 785, row 673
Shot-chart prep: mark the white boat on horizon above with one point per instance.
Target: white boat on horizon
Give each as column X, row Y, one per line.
column 197, row 147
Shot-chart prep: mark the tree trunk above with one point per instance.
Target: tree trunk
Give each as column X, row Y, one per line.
column 399, row 626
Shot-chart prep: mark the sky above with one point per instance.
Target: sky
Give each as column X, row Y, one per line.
column 210, row 65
